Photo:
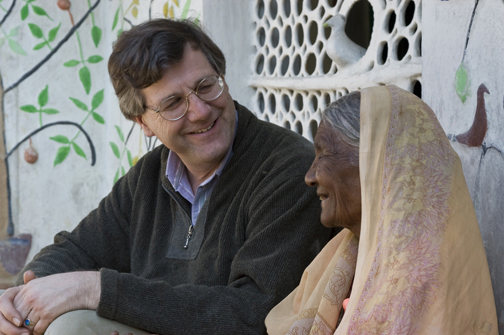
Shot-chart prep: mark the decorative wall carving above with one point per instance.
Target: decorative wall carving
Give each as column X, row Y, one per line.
column 293, row 76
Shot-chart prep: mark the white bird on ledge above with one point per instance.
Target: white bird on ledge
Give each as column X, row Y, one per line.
column 341, row 49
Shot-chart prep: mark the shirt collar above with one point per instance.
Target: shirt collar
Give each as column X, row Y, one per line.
column 176, row 171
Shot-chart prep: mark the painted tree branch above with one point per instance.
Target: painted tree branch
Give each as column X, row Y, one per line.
column 54, row 50
column 8, row 12
column 91, row 146
column 469, row 29
column 10, row 227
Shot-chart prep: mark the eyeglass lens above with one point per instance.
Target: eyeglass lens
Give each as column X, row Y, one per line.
column 208, row 89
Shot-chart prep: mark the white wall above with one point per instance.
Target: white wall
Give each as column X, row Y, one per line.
column 445, row 31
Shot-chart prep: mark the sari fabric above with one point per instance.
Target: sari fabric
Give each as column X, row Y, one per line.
column 419, row 266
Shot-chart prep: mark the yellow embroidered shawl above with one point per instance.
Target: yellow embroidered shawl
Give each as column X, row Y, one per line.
column 419, row 266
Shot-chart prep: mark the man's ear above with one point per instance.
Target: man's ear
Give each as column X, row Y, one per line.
column 145, row 127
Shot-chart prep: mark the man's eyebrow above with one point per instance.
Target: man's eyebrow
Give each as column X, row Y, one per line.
column 194, row 85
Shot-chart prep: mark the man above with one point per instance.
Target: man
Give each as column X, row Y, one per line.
column 198, row 236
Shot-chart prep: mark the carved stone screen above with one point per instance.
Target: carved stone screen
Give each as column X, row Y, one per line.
column 300, row 64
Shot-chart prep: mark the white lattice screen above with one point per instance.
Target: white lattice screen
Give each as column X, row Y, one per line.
column 294, row 79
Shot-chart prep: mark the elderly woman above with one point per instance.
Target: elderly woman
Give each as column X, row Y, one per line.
column 411, row 259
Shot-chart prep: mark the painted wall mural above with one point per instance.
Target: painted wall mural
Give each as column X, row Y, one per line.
column 64, row 142
column 462, row 71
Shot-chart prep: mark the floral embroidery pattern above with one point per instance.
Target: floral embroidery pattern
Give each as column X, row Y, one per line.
column 403, row 278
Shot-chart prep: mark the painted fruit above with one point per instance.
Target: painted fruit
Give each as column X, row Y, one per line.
column 64, row 4
column 30, row 155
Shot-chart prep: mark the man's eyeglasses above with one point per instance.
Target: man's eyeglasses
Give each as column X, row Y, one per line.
column 175, row 107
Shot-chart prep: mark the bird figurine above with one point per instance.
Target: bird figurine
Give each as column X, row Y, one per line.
column 475, row 135
column 341, row 49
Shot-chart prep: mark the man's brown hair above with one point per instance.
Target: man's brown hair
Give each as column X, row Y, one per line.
column 141, row 55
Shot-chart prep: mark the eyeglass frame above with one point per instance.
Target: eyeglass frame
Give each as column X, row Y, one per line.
column 156, row 109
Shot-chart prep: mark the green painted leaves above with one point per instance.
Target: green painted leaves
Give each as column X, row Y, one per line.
column 85, row 78
column 78, row 150
column 43, row 96
column 43, row 99
column 35, row 30
column 61, row 155
column 63, row 151
column 95, row 103
column 96, row 35
column 115, row 149
column 95, row 59
column 13, row 45
column 79, row 104
column 60, row 139
column 92, row 60
column 120, row 133
column 38, row 33
column 116, row 18
column 97, row 99
column 462, row 83
column 121, row 171
column 25, row 10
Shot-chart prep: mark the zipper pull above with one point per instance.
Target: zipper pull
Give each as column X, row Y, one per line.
column 189, row 234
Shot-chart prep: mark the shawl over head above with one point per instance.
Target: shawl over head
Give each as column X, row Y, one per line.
column 419, row 266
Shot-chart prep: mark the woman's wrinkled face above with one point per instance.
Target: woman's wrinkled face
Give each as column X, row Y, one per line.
column 335, row 174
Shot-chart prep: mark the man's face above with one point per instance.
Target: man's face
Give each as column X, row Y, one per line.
column 202, row 137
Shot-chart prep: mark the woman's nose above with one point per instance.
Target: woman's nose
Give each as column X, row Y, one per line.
column 310, row 177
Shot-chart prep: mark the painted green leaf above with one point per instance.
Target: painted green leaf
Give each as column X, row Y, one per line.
column 115, row 149
column 95, row 59
column 61, row 155
column 35, row 30
column 116, row 176
column 197, row 20
column 53, row 32
column 24, row 12
column 29, row 108
column 130, row 158
column 78, row 150
column 79, row 104
column 16, row 47
column 97, row 99
column 39, row 46
column 60, row 139
column 50, row 111
column 71, row 63
column 13, row 32
column 119, row 32
column 123, row 172
column 96, row 34
column 185, row 10
column 462, row 83
column 120, row 133
column 40, row 11
column 116, row 19
column 85, row 78
column 43, row 96
column 98, row 118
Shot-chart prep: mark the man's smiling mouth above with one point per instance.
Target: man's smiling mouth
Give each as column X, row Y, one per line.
column 204, row 130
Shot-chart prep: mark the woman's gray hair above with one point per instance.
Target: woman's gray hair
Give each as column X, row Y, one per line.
column 344, row 116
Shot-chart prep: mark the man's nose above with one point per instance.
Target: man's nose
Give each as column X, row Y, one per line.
column 197, row 108
column 310, row 177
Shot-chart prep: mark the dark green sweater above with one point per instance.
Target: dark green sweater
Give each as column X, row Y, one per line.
column 261, row 230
